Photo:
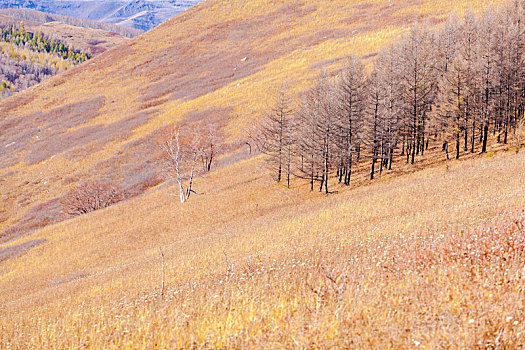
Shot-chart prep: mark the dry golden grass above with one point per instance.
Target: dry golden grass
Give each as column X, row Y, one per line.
column 434, row 258
column 430, row 259
column 217, row 55
column 94, row 40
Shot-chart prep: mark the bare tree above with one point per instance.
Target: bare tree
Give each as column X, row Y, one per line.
column 210, row 144
column 468, row 54
column 181, row 148
column 447, row 40
column 486, row 74
column 391, row 122
column 326, row 130
column 274, row 136
column 417, row 59
column 317, row 133
column 307, row 135
column 373, row 118
column 350, row 99
column 451, row 103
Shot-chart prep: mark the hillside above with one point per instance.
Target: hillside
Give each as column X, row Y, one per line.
column 82, row 36
column 224, row 72
column 31, row 16
column 24, row 63
column 250, row 263
column 137, row 14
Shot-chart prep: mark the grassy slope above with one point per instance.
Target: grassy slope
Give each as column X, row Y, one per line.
column 247, row 263
column 218, row 60
column 94, row 40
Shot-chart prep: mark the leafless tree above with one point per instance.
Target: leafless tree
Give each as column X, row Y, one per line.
column 391, row 122
column 468, row 54
column 326, row 130
column 373, row 118
column 210, row 143
column 449, row 85
column 418, row 61
column 486, row 74
column 274, row 136
column 350, row 99
column 307, row 135
column 451, row 108
column 181, row 148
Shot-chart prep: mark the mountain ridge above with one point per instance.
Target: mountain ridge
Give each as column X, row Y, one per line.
column 139, row 14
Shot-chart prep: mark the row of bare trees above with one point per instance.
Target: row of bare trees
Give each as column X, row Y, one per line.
column 454, row 87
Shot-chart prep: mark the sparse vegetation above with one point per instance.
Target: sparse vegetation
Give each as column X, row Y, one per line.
column 428, row 257
column 92, row 196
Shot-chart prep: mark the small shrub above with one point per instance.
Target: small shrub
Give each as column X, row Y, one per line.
column 92, row 196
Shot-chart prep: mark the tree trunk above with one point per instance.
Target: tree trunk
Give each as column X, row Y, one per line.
column 413, row 151
column 457, row 145
column 209, row 163
column 181, row 192
column 325, row 175
column 279, row 171
column 349, row 171
column 465, row 147
column 485, row 136
column 473, row 137
column 373, row 164
column 312, row 176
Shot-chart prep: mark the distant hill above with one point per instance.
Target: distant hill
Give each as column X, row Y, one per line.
column 95, row 37
column 24, row 60
column 42, row 17
column 139, row 14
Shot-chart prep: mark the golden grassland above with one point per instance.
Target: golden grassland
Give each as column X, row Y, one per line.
column 243, row 49
column 432, row 259
column 95, row 40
